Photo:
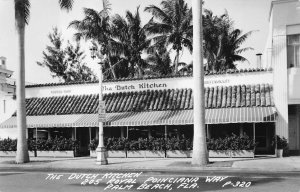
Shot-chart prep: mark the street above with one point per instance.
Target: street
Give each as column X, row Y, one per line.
column 12, row 181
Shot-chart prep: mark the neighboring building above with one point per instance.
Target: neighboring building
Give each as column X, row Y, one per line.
column 7, row 95
column 282, row 53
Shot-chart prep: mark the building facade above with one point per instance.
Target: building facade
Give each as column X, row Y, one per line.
column 282, row 53
column 239, row 102
column 7, row 94
column 259, row 102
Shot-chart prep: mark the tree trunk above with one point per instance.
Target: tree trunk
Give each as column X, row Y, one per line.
column 140, row 72
column 176, row 62
column 200, row 156
column 22, row 149
column 111, row 67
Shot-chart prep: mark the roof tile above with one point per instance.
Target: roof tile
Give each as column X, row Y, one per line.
column 171, row 99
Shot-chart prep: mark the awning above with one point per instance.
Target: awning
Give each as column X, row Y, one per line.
column 179, row 117
column 240, row 115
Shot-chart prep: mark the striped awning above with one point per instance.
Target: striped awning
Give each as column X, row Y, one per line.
column 179, row 117
column 240, row 115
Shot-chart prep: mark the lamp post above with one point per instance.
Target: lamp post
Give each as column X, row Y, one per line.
column 101, row 151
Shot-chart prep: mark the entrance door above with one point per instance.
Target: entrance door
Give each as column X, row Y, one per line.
column 293, row 133
column 84, row 139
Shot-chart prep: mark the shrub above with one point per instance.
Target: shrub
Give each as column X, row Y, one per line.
column 281, row 143
column 93, row 144
column 179, row 144
column 8, row 144
column 232, row 142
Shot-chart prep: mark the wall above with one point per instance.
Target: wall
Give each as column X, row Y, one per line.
column 293, row 82
column 157, row 84
column 283, row 14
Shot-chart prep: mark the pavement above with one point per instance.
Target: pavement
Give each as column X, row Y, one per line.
column 263, row 164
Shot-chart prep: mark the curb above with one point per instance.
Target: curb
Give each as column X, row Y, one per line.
column 153, row 169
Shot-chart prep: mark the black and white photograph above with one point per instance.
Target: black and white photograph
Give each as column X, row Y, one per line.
column 150, row 95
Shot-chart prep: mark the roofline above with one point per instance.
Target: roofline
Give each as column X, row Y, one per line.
column 279, row 2
column 145, row 78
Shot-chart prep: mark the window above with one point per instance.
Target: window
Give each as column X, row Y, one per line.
column 293, row 51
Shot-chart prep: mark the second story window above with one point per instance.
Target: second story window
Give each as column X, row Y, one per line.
column 293, row 51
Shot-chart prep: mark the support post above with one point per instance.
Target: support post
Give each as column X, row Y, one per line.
column 49, row 134
column 36, row 135
column 166, row 132
column 241, row 130
column 90, row 134
column 122, row 132
column 254, row 132
column 97, row 134
column 208, row 131
column 127, row 135
column 149, row 132
column 101, row 151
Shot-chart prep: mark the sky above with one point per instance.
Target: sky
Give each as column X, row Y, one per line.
column 247, row 15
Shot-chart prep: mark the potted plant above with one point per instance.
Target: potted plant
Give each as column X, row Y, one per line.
column 93, row 146
column 279, row 144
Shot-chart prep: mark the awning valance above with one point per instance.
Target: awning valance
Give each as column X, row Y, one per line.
column 178, row 117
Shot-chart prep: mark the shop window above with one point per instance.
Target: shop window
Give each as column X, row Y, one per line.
column 293, row 51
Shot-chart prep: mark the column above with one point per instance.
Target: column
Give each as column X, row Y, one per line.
column 49, row 134
column 280, row 84
column 149, row 132
column 208, row 131
column 90, row 134
column 127, row 135
column 254, row 132
column 241, row 129
column 97, row 134
column 166, row 132
column 122, row 132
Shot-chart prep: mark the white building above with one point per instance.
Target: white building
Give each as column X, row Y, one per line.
column 282, row 53
column 7, row 95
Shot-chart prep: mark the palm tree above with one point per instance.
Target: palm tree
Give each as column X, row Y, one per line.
column 200, row 156
column 159, row 62
column 96, row 27
column 232, row 48
column 172, row 26
column 222, row 42
column 131, row 41
column 22, row 13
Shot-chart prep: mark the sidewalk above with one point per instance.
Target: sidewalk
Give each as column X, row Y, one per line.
column 87, row 164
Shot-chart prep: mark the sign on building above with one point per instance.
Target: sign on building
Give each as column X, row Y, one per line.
column 102, row 113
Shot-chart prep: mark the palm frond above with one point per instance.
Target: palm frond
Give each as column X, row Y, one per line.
column 66, row 4
column 158, row 13
column 22, row 11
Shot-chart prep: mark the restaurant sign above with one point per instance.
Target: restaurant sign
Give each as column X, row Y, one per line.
column 150, row 84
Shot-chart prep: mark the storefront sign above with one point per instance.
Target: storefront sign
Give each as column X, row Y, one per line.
column 219, row 81
column 134, row 87
column 151, row 84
